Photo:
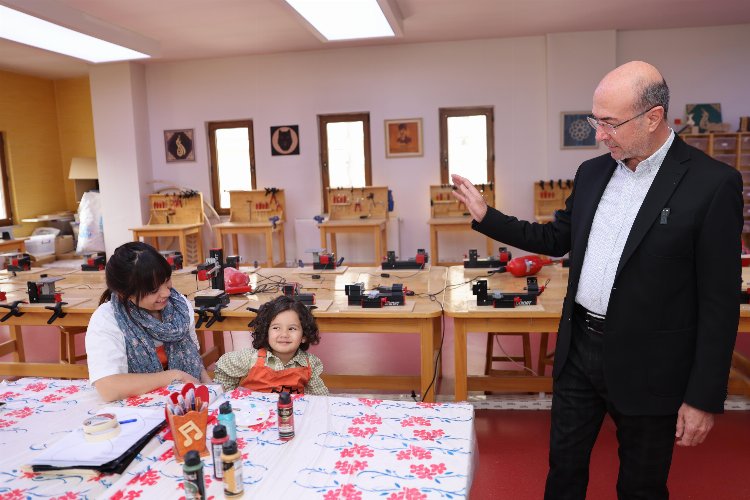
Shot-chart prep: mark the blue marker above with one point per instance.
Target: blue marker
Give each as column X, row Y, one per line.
column 128, row 421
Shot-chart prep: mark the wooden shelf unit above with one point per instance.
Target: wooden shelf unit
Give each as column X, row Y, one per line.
column 443, row 204
column 370, row 202
column 550, row 196
column 259, row 205
column 734, row 150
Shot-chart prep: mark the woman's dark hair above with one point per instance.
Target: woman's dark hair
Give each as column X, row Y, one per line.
column 268, row 311
column 135, row 270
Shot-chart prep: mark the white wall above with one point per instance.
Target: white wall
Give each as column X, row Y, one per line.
column 701, row 65
column 529, row 81
column 388, row 82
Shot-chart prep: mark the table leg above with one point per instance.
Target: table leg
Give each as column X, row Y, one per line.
column 235, row 244
column 183, row 246
column 156, row 243
column 269, row 247
column 334, row 251
column 434, row 246
column 427, row 350
column 16, row 336
column 384, row 249
column 378, row 234
column 199, row 237
column 459, row 353
column 490, row 247
column 323, row 238
column 282, row 248
column 219, row 341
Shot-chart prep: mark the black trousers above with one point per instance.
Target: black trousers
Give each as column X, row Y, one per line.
column 579, row 403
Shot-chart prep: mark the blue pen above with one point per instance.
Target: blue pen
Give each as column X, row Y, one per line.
column 128, row 421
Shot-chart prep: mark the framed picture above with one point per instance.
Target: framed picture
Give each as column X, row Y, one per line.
column 707, row 117
column 285, row 140
column 178, row 145
column 403, row 137
column 576, row 133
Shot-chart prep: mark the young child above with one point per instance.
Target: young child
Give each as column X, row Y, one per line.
column 278, row 361
column 140, row 313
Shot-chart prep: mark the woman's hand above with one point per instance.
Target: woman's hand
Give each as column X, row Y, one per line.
column 181, row 377
column 470, row 196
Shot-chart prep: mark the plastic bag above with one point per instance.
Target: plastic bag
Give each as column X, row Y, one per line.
column 91, row 228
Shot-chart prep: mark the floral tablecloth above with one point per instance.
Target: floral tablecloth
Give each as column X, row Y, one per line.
column 344, row 448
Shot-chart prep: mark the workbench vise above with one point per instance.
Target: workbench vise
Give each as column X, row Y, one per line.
column 418, row 262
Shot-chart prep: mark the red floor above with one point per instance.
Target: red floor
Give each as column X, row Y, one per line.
column 513, row 459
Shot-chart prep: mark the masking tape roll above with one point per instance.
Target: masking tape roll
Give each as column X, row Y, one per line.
column 104, row 435
column 101, row 427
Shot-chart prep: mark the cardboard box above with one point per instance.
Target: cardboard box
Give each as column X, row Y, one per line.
column 42, row 259
column 64, row 244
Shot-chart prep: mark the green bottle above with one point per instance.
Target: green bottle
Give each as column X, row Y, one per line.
column 192, row 472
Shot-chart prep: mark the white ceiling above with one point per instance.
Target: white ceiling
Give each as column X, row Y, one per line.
column 196, row 29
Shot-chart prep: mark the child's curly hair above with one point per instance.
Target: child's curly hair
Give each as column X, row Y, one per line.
column 268, row 311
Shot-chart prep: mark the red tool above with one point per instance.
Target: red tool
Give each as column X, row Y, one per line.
column 526, row 266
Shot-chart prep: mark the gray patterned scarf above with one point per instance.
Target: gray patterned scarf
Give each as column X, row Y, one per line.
column 141, row 329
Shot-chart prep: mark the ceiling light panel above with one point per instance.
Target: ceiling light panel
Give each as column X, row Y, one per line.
column 29, row 30
column 344, row 19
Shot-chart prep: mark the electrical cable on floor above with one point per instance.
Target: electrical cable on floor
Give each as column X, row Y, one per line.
column 511, row 360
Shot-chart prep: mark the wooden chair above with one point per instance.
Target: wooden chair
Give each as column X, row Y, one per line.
column 525, row 359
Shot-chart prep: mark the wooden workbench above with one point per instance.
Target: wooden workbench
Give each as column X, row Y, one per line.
column 374, row 227
column 453, row 224
column 189, row 236
column 422, row 317
column 265, row 229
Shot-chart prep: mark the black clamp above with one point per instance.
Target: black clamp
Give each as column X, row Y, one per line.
column 14, row 311
column 213, row 318
column 255, row 310
column 57, row 311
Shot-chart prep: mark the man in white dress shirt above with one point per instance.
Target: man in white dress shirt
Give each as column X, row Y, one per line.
column 648, row 325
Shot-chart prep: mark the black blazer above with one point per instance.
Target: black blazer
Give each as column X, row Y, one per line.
column 673, row 310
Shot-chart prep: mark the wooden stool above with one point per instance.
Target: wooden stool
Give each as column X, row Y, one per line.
column 525, row 359
column 545, row 358
column 68, row 344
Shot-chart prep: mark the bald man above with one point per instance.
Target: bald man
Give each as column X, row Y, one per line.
column 650, row 318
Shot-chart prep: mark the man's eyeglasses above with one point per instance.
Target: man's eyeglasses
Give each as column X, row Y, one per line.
column 608, row 127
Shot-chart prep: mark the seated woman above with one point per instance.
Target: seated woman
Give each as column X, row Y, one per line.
column 139, row 313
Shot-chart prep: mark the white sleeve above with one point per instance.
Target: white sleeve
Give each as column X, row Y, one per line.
column 191, row 311
column 105, row 345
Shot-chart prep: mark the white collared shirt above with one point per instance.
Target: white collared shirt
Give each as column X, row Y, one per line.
column 618, row 207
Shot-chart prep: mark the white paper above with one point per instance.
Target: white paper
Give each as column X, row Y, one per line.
column 73, row 449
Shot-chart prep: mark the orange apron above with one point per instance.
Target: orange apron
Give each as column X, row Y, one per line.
column 261, row 378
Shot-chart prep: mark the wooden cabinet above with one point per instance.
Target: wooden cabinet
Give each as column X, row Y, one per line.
column 734, row 150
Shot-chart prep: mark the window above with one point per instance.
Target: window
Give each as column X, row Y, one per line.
column 344, row 151
column 467, row 144
column 232, row 160
column 6, row 216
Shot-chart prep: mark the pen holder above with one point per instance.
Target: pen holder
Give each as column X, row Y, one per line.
column 188, row 433
column 187, row 415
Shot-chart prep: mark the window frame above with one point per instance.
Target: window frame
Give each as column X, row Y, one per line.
column 213, row 159
column 6, row 183
column 323, row 121
column 445, row 113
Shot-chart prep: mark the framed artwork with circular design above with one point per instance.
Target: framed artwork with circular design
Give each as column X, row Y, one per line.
column 285, row 140
column 576, row 131
column 179, row 145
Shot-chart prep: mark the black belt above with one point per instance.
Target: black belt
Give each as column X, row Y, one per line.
column 594, row 321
